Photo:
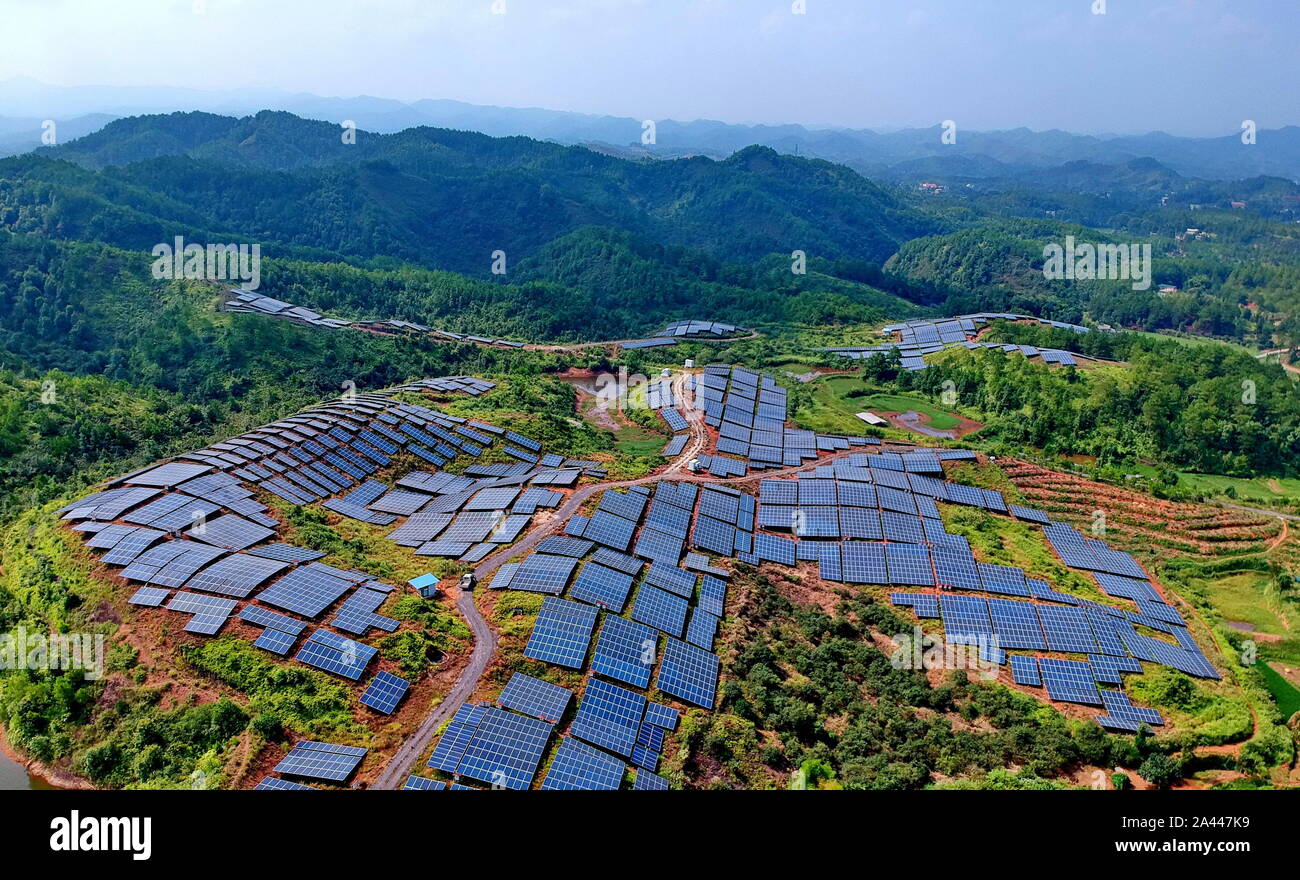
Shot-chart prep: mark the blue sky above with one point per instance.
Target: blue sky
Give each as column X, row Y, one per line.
column 1184, row 66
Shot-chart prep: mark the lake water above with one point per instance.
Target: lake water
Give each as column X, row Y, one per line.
column 14, row 777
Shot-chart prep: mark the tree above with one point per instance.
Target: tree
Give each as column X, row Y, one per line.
column 1161, row 770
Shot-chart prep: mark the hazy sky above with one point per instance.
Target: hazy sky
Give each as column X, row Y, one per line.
column 1184, row 66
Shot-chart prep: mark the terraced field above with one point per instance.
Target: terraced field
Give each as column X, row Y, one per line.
column 1139, row 522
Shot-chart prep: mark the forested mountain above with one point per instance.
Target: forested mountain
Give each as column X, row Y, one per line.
column 441, row 198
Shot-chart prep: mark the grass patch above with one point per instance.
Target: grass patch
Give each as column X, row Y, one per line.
column 1286, row 694
column 831, row 405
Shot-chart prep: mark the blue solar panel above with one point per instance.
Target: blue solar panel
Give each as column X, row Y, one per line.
column 1067, row 629
column 645, row 758
column 863, row 562
column 965, row 619
column 1069, row 681
column 1003, row 579
column 660, row 609
column 774, row 549
column 688, row 673
column 505, row 749
column 647, row 781
column 333, row 653
column 1121, row 714
column 1024, row 670
column 535, row 697
column 451, row 748
column 909, row 564
column 1016, row 625
column 270, row 783
column 924, row 604
column 423, row 783
column 609, row 716
column 625, row 651
column 617, row 561
column 713, row 595
column 543, row 573
column 610, row 530
column 674, row 580
column 384, row 692
column 661, row 716
column 579, row 767
column 316, row 760
column 562, row 633
column 702, row 629
column 275, row 641
column 601, row 586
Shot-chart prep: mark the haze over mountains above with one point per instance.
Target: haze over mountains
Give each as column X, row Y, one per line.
column 908, row 154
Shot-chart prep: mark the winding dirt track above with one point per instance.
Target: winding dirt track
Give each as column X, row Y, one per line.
column 485, row 642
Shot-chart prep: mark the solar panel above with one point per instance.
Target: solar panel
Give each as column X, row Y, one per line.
column 334, row 653
column 688, row 673
column 561, row 545
column 271, row 783
column 628, row 505
column 451, row 748
column 231, row 531
column 955, row 567
column 423, row 783
column 618, row 561
column 1016, row 625
column 660, row 609
column 674, row 580
column 1024, row 670
column 647, row 781
column 863, row 562
column 316, row 760
column 308, row 590
column 1003, row 579
column 658, row 546
column 579, row 767
column 562, row 633
column 702, row 629
column 774, row 549
column 601, row 586
column 909, row 564
column 535, row 697
column 1069, row 681
column 384, row 692
column 609, row 716
column 923, row 604
column 277, row 642
column 1067, row 629
column 542, row 573
column 661, row 716
column 237, row 575
column 149, row 597
column 713, row 595
column 1121, row 714
column 610, row 530
column 965, row 619
column 645, row 758
column 505, row 749
column 625, row 651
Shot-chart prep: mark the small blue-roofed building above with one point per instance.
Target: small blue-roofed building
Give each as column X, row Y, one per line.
column 426, row 585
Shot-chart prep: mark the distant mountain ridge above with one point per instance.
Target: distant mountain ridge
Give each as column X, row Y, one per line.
column 438, row 198
column 892, row 155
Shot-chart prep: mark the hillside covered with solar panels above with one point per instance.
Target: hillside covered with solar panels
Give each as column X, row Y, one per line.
column 655, row 508
column 634, row 619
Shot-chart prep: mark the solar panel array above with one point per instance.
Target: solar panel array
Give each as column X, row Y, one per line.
column 915, row 339
column 385, row 692
column 535, row 697
column 317, row 760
